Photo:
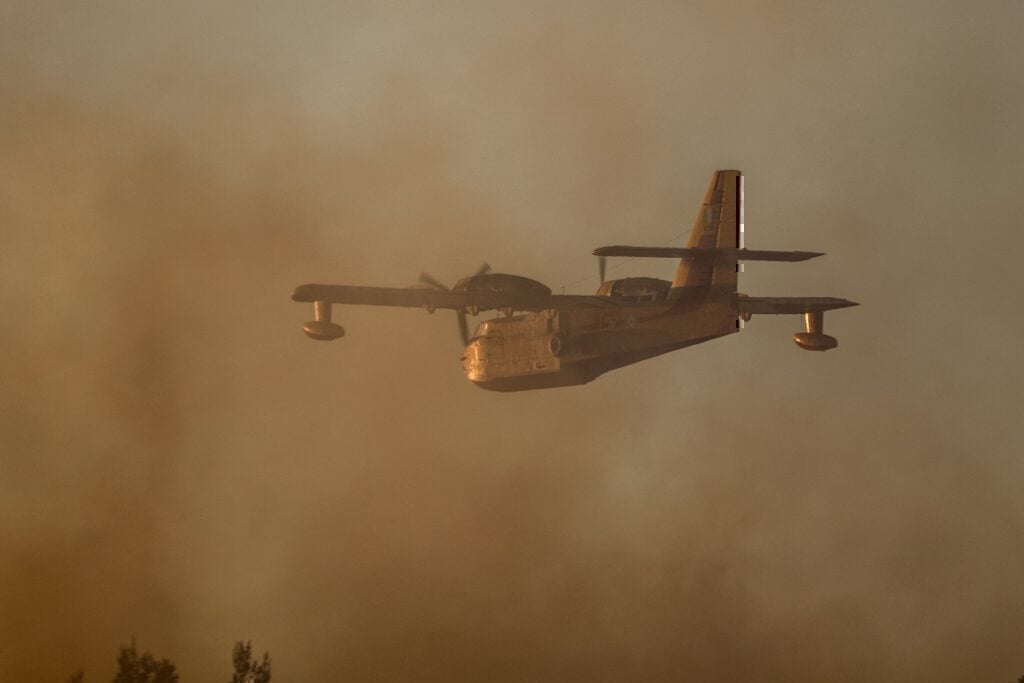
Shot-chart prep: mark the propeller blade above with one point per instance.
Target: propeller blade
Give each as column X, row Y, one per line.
column 602, row 262
column 433, row 282
column 461, row 312
column 463, row 326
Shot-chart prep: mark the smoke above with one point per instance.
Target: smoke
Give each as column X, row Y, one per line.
column 180, row 464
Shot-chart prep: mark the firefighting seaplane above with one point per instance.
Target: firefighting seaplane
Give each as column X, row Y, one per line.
column 543, row 340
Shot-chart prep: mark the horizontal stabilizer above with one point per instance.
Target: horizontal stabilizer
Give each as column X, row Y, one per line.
column 784, row 305
column 701, row 254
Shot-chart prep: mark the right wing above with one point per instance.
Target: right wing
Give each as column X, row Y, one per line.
column 412, row 297
column 429, row 298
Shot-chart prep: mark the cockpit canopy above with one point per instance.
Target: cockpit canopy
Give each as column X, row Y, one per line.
column 497, row 327
column 645, row 288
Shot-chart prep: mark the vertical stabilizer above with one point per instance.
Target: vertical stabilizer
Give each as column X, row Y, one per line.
column 718, row 226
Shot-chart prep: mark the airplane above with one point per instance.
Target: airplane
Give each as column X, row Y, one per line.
column 542, row 340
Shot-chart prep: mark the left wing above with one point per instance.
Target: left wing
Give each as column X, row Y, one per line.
column 787, row 305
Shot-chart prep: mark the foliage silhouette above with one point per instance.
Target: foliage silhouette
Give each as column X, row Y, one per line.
column 135, row 668
column 246, row 669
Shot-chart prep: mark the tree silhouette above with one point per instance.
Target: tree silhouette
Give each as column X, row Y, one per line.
column 133, row 668
column 247, row 670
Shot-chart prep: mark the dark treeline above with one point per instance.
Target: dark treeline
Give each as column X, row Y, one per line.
column 145, row 668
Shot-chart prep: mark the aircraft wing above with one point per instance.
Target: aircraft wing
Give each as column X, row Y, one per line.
column 430, row 298
column 412, row 297
column 783, row 305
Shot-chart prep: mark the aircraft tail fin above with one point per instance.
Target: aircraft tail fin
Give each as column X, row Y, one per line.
column 719, row 226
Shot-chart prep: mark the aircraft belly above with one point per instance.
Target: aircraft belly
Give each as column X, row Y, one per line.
column 567, row 375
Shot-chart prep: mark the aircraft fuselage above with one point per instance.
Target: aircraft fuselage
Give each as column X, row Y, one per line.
column 562, row 348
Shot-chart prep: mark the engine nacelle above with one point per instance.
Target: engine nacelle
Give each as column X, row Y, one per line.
column 502, row 283
column 815, row 341
column 638, row 287
column 517, row 292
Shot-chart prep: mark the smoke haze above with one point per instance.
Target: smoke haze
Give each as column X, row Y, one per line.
column 178, row 463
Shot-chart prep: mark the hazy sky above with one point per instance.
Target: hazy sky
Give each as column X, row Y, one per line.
column 178, row 463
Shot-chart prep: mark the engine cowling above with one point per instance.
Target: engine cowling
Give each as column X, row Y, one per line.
column 503, row 283
column 636, row 287
column 515, row 291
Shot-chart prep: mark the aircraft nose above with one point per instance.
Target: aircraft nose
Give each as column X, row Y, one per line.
column 470, row 360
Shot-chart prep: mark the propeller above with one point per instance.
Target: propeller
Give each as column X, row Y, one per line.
column 602, row 263
column 428, row 279
column 460, row 313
